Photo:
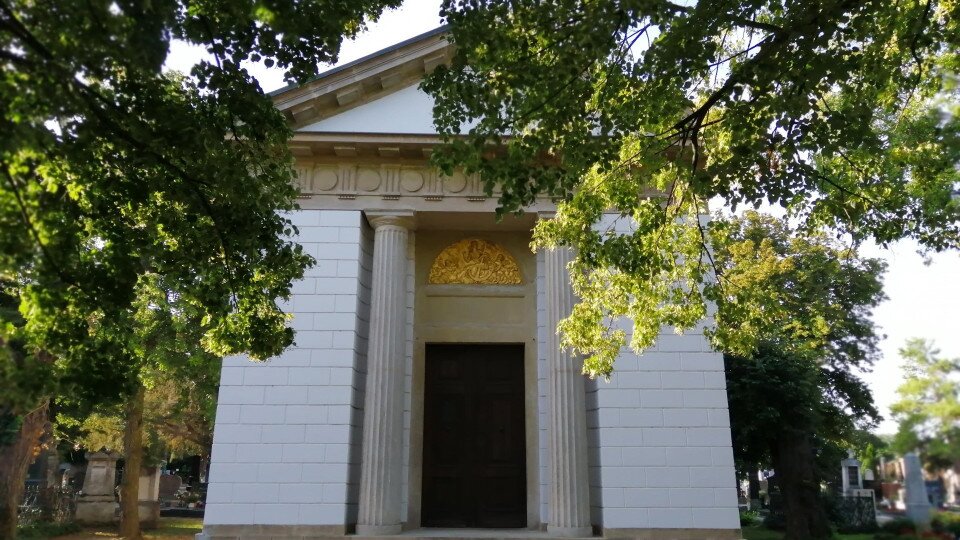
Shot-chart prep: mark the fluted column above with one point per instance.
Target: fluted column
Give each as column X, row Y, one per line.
column 567, row 430
column 382, row 452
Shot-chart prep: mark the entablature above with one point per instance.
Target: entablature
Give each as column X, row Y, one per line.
column 364, row 184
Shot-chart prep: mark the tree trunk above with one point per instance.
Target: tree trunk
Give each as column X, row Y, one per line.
column 15, row 459
column 806, row 519
column 133, row 462
column 753, row 481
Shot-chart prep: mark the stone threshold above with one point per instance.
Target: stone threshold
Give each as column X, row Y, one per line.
column 301, row 532
column 438, row 532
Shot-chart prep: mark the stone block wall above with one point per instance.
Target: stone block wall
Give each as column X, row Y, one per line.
column 286, row 441
column 658, row 435
column 661, row 435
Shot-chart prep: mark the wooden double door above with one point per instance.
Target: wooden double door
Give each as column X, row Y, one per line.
column 474, row 451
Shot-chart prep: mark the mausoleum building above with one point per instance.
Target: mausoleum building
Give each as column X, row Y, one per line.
column 426, row 394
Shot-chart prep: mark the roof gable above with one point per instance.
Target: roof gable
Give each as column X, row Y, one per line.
column 408, row 110
column 374, row 94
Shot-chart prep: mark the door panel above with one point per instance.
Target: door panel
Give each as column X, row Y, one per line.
column 474, row 455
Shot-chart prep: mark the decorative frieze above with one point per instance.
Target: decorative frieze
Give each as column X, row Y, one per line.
column 387, row 182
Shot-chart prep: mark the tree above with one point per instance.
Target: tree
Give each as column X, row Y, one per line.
column 165, row 345
column 799, row 392
column 841, row 112
column 928, row 411
column 180, row 402
column 119, row 181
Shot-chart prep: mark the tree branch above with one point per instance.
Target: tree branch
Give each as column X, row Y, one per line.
column 28, row 223
column 740, row 21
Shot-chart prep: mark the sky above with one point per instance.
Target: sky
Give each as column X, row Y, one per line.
column 923, row 292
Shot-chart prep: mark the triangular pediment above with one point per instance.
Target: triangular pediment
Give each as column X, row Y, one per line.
column 408, row 110
column 375, row 94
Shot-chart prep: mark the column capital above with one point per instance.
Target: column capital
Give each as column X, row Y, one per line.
column 379, row 218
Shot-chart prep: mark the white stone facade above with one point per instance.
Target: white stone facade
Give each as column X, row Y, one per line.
column 287, row 439
column 286, row 442
column 650, row 458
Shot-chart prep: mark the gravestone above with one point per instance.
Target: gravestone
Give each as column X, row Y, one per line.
column 148, row 504
column 97, row 503
column 169, row 487
column 850, row 474
column 51, row 474
column 915, row 496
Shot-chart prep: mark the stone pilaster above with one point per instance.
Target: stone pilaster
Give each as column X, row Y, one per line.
column 382, row 452
column 567, row 428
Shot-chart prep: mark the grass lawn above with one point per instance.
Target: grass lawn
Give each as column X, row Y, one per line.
column 759, row 533
column 170, row 528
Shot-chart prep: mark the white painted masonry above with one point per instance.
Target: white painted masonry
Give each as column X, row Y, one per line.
column 408, row 110
column 665, row 457
column 285, row 427
column 289, row 450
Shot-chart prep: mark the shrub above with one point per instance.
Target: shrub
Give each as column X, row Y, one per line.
column 946, row 522
column 898, row 526
column 775, row 520
column 749, row 517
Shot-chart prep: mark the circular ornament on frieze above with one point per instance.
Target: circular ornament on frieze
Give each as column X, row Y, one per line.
column 411, row 181
column 368, row 179
column 325, row 178
column 454, row 183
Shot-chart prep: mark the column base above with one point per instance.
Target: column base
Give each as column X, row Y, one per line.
column 377, row 530
column 570, row 532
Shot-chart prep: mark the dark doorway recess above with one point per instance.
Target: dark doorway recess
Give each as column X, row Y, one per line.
column 474, row 456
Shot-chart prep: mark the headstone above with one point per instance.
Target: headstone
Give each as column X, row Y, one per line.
column 51, row 469
column 915, row 498
column 169, row 486
column 951, row 482
column 97, row 503
column 149, row 495
column 850, row 474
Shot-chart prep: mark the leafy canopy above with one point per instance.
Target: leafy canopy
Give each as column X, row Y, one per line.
column 124, row 189
column 842, row 112
column 814, row 336
column 928, row 411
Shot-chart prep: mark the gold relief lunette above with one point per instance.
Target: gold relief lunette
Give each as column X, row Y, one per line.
column 475, row 261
